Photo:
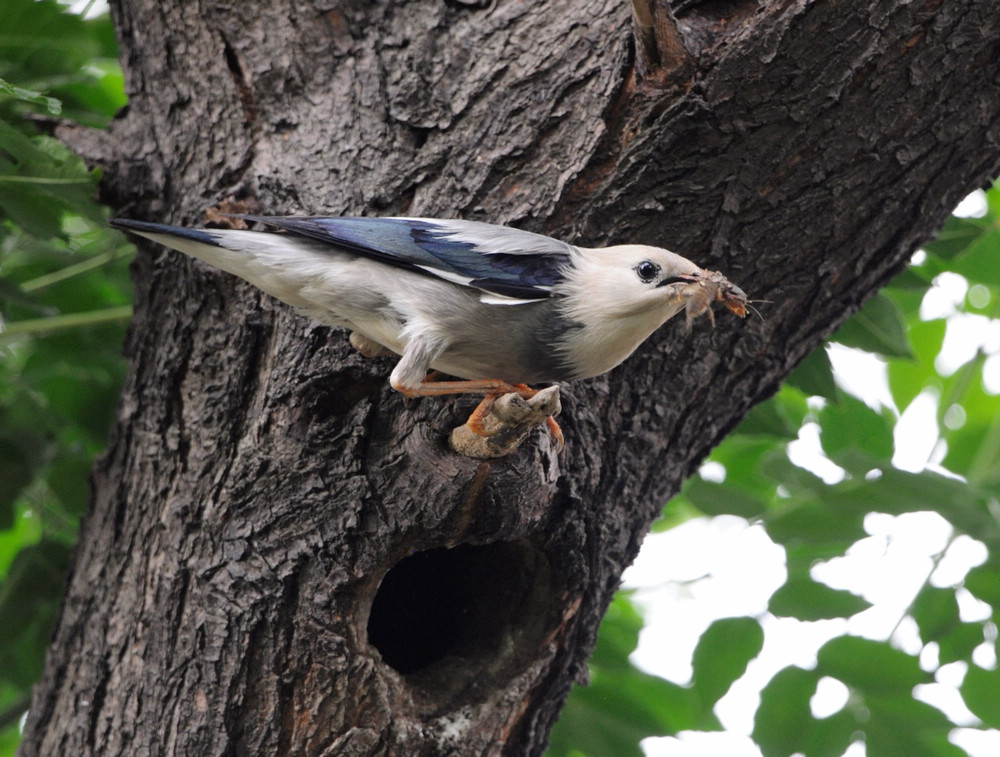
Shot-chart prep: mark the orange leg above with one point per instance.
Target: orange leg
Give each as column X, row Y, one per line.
column 484, row 408
column 557, row 434
column 479, row 386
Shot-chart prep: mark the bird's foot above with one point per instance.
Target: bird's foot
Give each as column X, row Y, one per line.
column 502, row 421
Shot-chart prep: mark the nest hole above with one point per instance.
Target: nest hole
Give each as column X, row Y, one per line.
column 446, row 617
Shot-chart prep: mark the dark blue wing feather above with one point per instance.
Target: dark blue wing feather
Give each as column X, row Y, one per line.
column 497, row 259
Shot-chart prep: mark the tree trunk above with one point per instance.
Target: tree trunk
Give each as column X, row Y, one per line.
column 282, row 555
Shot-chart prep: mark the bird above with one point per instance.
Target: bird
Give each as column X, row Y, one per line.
column 495, row 308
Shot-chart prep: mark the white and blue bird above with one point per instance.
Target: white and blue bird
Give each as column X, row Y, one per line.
column 497, row 307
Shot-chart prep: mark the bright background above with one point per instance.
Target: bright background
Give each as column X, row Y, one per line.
column 711, row 568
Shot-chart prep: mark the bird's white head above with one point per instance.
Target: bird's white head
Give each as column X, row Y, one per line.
column 631, row 281
column 620, row 295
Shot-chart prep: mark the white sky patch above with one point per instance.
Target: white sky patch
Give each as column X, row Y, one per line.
column 830, row 697
column 862, row 375
column 991, row 374
column 976, row 742
column 88, row 8
column 965, row 335
column 713, row 471
column 915, row 436
column 807, row 452
column 947, row 699
column 698, row 571
column 701, row 744
column 973, row 206
column 944, row 297
column 963, row 554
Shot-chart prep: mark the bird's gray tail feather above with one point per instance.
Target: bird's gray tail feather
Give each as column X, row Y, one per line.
column 148, row 227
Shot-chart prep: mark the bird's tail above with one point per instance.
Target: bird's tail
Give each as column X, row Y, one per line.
column 279, row 264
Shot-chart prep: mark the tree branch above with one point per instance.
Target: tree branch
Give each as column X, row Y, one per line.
column 660, row 49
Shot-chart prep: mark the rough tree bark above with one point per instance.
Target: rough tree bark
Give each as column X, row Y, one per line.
column 262, row 480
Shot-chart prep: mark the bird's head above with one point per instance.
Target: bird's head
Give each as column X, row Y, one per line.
column 648, row 283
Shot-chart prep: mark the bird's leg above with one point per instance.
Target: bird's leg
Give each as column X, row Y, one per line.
column 492, row 389
column 410, row 378
column 509, row 420
column 495, row 387
column 484, row 408
column 556, row 432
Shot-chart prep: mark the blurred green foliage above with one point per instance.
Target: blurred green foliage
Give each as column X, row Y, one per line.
column 816, row 521
column 64, row 305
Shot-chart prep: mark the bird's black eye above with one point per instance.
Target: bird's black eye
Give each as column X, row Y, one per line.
column 647, row 270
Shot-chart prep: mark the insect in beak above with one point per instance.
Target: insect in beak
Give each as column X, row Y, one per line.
column 710, row 287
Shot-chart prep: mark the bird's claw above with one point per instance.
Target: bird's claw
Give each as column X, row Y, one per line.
column 502, row 421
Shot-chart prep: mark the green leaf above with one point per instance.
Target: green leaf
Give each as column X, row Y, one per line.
column 853, row 426
column 803, row 598
column 902, row 725
column 956, row 235
column 722, row 655
column 907, row 290
column 908, row 378
column 743, row 458
column 814, row 376
column 814, row 522
column 67, row 56
column 51, row 104
column 936, row 613
column 830, row 737
column 784, row 718
column 719, row 499
column 779, row 417
column 980, row 261
column 27, row 530
column 793, row 478
column 611, row 717
column 41, row 181
column 960, row 642
column 983, row 582
column 993, row 200
column 895, row 492
column 678, row 510
column 878, row 327
column 980, row 692
column 619, row 634
column 974, row 446
column 29, row 601
column 873, row 667
column 937, row 616
column 18, row 472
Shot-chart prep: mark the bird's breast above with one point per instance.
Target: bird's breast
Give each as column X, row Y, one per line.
column 601, row 345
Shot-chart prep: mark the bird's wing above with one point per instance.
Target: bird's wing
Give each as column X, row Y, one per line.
column 515, row 265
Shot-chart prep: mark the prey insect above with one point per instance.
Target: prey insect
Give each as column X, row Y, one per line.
column 699, row 295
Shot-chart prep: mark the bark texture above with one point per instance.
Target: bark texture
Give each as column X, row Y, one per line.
column 282, row 555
